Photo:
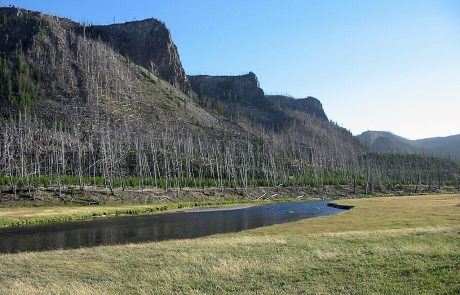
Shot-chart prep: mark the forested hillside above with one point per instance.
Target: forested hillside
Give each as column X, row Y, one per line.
column 111, row 106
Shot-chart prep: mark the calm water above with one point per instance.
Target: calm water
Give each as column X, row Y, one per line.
column 132, row 229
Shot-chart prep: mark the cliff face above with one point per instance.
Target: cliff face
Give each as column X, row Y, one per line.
column 309, row 105
column 240, row 98
column 301, row 121
column 243, row 89
column 147, row 43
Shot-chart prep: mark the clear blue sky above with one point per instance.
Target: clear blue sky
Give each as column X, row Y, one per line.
column 389, row 65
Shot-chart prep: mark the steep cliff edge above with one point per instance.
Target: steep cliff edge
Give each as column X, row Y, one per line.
column 239, row 98
column 308, row 105
column 244, row 88
column 149, row 44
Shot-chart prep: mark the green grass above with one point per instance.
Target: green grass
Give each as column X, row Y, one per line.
column 392, row 245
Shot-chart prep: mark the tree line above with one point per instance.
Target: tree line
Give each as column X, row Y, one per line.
column 35, row 154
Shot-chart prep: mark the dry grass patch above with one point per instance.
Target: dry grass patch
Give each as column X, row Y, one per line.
column 376, row 214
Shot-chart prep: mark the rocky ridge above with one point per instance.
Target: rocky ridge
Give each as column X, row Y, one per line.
column 149, row 44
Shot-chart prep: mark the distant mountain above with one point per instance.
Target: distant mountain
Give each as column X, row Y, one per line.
column 387, row 142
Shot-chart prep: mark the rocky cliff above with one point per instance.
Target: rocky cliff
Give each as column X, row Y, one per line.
column 147, row 43
column 244, row 88
column 242, row 97
column 239, row 97
column 309, row 105
column 303, row 121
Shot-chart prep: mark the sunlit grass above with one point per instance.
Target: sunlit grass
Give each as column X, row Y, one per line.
column 401, row 245
column 374, row 214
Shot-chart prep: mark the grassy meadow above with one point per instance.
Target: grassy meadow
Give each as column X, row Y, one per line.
column 390, row 245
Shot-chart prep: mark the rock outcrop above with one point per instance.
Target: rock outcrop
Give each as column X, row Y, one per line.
column 244, row 88
column 309, row 105
column 147, row 43
column 240, row 97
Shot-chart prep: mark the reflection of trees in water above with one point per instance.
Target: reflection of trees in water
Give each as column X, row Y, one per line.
column 156, row 227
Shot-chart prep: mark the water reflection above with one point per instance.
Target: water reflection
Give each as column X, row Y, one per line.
column 132, row 229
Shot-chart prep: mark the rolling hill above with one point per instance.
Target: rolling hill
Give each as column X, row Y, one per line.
column 387, row 142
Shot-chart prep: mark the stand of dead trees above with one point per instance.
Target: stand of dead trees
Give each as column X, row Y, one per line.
column 33, row 154
column 100, row 139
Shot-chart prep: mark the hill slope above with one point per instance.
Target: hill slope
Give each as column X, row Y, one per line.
column 387, row 142
column 130, row 74
column 77, row 77
column 297, row 121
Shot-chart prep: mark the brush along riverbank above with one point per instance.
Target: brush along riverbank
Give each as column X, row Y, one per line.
column 53, row 196
column 391, row 245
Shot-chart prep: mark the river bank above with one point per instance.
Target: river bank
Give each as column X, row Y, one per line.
column 103, row 196
column 46, row 205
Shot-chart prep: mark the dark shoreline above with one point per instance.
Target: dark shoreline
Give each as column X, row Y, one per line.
column 102, row 196
column 340, row 206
